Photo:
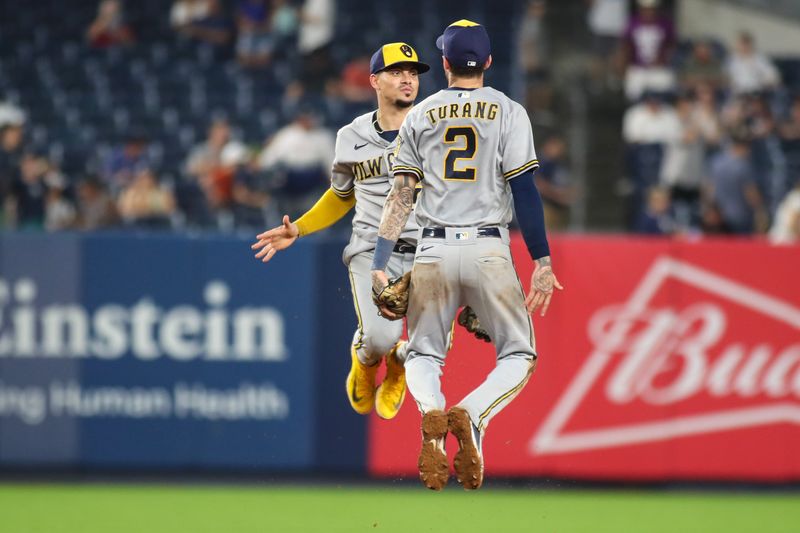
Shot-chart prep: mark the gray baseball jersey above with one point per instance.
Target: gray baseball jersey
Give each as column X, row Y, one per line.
column 464, row 145
column 362, row 163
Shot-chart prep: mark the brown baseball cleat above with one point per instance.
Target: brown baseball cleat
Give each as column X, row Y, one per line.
column 433, row 467
column 468, row 462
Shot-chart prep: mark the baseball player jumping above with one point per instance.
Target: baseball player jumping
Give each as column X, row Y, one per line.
column 471, row 147
column 360, row 177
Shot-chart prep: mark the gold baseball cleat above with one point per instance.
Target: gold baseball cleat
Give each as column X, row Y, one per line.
column 392, row 391
column 361, row 385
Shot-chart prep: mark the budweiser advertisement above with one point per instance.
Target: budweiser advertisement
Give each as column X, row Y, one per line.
column 661, row 360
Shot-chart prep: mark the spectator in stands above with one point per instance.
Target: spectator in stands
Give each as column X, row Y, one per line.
column 683, row 165
column 11, row 152
column 25, row 202
column 650, row 121
column 706, row 115
column 790, row 128
column 299, row 157
column 554, row 183
column 202, row 20
column 96, row 208
column 145, row 203
column 59, row 211
column 11, row 115
column 187, row 12
column 254, row 41
column 790, row 140
column 125, row 161
column 786, row 229
column 656, row 218
column 647, row 51
column 606, row 20
column 733, row 189
column 750, row 71
column 355, row 86
column 713, row 222
column 647, row 127
column 284, row 22
column 109, row 27
column 209, row 176
column 703, row 67
column 534, row 56
column 317, row 22
column 250, row 198
column 767, row 157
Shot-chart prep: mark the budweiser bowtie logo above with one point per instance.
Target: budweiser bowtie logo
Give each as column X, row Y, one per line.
column 726, row 357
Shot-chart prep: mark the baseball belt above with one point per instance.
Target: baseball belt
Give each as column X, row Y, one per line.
column 403, row 247
column 439, row 233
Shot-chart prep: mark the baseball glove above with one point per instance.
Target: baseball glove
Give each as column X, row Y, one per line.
column 394, row 297
column 469, row 320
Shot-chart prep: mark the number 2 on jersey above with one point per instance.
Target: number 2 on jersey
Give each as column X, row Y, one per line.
column 468, row 137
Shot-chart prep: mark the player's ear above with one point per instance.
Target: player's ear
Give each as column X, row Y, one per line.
column 373, row 81
column 488, row 63
column 445, row 64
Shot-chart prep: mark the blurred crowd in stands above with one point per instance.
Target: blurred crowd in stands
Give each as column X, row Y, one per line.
column 224, row 183
column 711, row 134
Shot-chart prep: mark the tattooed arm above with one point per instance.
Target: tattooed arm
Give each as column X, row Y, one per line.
column 397, row 207
column 396, row 211
column 542, row 283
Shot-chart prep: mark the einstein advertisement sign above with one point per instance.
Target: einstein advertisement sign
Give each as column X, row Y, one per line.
column 155, row 352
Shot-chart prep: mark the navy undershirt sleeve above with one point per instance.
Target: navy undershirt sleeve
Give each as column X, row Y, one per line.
column 530, row 214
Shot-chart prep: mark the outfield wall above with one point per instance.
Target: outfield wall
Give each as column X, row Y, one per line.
column 661, row 360
column 164, row 352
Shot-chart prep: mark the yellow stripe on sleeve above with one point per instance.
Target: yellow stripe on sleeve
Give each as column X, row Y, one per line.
column 519, row 170
column 403, row 169
column 328, row 210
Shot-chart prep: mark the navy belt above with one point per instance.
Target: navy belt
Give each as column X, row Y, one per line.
column 403, row 247
column 440, row 233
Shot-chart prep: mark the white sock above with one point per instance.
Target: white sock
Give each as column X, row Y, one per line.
column 422, row 378
column 501, row 386
column 402, row 352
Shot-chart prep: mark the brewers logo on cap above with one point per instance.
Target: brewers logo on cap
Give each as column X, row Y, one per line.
column 393, row 54
column 465, row 44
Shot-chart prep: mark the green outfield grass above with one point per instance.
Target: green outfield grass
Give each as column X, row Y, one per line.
column 177, row 508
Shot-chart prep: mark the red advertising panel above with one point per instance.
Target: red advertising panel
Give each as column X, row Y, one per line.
column 660, row 360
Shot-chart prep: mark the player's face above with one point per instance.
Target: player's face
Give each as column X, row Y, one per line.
column 398, row 85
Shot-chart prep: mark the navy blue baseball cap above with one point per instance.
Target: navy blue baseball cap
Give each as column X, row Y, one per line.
column 465, row 44
column 393, row 54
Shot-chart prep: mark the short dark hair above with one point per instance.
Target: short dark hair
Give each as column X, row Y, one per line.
column 467, row 72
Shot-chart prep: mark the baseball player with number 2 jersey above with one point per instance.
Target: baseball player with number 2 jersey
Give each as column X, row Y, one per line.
column 360, row 178
column 471, row 148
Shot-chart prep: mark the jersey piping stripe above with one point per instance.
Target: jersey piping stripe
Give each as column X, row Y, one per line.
column 401, row 169
column 452, row 335
column 519, row 170
column 530, row 321
column 343, row 194
column 501, row 398
column 360, row 342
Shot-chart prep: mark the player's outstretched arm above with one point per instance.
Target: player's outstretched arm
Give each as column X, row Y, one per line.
column 543, row 281
column 328, row 210
column 272, row 241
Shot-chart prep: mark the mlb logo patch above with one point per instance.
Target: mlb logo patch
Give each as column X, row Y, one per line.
column 472, row 63
column 462, row 235
column 463, row 94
